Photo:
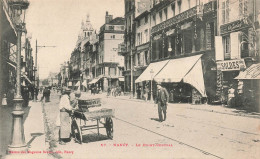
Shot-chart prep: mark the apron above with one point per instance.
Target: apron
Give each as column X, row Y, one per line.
column 65, row 124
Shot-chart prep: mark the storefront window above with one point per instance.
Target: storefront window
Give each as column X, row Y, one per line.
column 187, row 41
column 179, row 44
column 166, row 46
column 226, row 41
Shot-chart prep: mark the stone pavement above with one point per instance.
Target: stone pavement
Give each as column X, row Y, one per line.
column 200, row 107
column 34, row 134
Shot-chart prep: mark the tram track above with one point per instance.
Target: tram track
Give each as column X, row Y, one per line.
column 175, row 140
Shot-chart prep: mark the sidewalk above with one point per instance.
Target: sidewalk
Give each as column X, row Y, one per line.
column 34, row 133
column 200, row 107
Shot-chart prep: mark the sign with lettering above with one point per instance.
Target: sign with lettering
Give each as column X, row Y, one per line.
column 174, row 20
column 233, row 26
column 231, row 65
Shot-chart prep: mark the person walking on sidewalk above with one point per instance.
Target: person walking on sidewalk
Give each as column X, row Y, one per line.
column 162, row 100
column 63, row 119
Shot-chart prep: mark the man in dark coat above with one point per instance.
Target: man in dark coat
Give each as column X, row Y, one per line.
column 162, row 100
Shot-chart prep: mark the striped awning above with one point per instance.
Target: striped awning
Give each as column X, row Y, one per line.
column 253, row 72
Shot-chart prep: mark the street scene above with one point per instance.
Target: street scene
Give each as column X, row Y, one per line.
column 129, row 79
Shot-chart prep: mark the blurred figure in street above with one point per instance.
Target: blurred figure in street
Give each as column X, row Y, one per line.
column 146, row 92
column 44, row 93
column 63, row 118
column 48, row 94
column 25, row 94
column 108, row 91
column 162, row 99
column 231, row 96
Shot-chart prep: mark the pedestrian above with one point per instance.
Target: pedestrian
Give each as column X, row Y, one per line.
column 108, row 91
column 231, row 96
column 146, row 92
column 162, row 99
column 25, row 94
column 10, row 96
column 63, row 118
column 44, row 94
column 48, row 94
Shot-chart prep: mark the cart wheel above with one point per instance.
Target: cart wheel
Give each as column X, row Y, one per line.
column 76, row 132
column 109, row 127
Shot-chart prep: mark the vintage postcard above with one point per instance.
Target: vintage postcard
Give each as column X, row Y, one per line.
column 116, row 79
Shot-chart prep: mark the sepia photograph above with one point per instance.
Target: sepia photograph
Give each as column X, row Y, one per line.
column 129, row 79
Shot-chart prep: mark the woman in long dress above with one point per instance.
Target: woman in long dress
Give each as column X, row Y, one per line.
column 64, row 121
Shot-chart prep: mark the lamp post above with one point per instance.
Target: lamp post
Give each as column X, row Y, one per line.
column 151, row 72
column 17, row 137
column 35, row 70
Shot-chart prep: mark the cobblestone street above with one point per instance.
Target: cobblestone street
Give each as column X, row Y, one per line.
column 186, row 133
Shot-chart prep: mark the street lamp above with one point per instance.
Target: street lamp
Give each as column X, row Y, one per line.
column 17, row 136
column 35, row 70
column 151, row 72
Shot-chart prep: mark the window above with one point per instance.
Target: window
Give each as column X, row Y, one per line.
column 146, row 36
column 113, row 36
column 179, row 6
column 146, row 58
column 154, row 19
column 160, row 15
column 111, row 27
column 138, row 59
column 138, row 23
column 173, row 9
column 243, row 7
column 166, row 13
column 226, row 41
column 138, row 39
column 146, row 19
column 225, row 11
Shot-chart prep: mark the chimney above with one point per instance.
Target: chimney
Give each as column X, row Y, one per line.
column 108, row 18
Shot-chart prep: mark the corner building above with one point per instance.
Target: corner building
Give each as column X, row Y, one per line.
column 183, row 49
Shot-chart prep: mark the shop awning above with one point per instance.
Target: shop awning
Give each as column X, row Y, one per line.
column 253, row 72
column 78, row 83
column 156, row 67
column 188, row 70
column 28, row 80
column 95, row 80
column 84, row 83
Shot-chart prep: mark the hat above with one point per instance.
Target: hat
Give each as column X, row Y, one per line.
column 159, row 83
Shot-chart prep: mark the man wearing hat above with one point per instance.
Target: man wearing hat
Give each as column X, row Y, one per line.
column 162, row 100
column 63, row 119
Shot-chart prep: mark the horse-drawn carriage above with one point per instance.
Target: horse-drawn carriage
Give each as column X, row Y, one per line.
column 90, row 110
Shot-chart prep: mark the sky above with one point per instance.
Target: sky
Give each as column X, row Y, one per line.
column 57, row 23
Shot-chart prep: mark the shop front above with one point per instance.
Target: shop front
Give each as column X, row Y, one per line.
column 184, row 80
column 227, row 71
column 248, row 87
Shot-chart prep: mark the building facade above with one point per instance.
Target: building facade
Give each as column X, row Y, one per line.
column 129, row 45
column 237, row 46
column 183, row 49
column 110, row 63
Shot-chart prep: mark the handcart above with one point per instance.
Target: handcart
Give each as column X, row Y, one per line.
column 90, row 110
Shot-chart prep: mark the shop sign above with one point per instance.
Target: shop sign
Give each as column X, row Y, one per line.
column 170, row 32
column 233, row 26
column 174, row 20
column 231, row 65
